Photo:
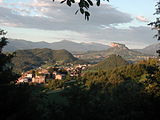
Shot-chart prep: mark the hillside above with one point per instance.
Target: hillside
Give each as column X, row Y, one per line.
column 110, row 62
column 33, row 58
column 16, row 44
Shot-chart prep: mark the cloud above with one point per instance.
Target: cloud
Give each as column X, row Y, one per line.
column 62, row 17
column 134, row 37
column 40, row 3
column 1, row 2
column 44, row 15
column 142, row 19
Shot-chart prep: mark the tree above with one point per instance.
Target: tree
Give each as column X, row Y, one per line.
column 3, row 41
column 6, row 74
column 156, row 24
column 84, row 6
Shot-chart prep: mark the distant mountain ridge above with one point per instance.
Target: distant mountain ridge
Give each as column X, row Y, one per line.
column 64, row 44
column 151, row 49
column 19, row 44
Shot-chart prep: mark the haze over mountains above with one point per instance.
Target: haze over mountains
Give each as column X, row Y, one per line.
column 64, row 44
column 17, row 44
column 151, row 49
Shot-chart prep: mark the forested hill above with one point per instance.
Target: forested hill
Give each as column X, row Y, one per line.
column 32, row 58
column 110, row 62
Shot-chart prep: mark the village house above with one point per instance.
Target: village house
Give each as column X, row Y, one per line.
column 54, row 73
column 26, row 77
column 29, row 75
column 60, row 76
column 39, row 79
column 22, row 80
column 41, row 75
column 43, row 71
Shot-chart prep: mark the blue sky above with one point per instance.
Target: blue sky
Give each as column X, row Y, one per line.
column 143, row 7
column 123, row 21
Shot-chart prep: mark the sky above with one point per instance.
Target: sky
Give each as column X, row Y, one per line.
column 122, row 21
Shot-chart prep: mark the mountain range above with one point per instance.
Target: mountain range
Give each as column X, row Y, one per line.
column 17, row 44
column 74, row 47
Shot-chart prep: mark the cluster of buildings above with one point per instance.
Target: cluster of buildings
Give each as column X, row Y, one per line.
column 76, row 71
column 42, row 75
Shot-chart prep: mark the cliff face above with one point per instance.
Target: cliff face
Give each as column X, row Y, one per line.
column 121, row 46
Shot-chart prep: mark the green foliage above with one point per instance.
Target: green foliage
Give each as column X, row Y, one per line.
column 84, row 6
column 6, row 74
column 55, row 84
column 22, row 102
column 145, row 72
column 128, row 92
column 151, row 83
column 125, row 101
column 156, row 24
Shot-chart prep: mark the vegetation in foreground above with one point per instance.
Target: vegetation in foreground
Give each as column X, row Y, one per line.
column 128, row 92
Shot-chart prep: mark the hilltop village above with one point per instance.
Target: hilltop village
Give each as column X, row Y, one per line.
column 42, row 75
